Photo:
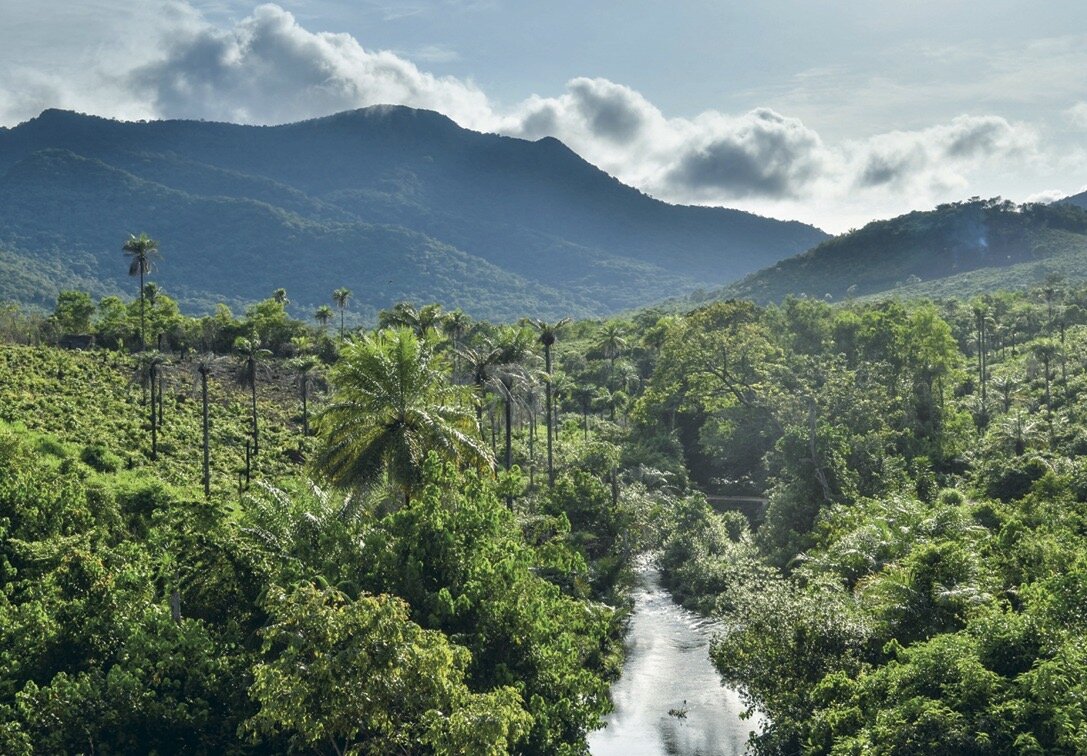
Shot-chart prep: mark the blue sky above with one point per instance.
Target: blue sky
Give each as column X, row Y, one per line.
column 834, row 112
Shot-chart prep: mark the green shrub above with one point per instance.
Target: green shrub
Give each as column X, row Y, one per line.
column 100, row 458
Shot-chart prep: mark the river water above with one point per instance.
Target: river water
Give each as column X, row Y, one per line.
column 667, row 669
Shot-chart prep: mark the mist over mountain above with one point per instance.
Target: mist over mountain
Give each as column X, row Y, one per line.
column 391, row 202
column 959, row 248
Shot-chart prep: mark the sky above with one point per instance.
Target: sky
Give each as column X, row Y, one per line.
column 833, row 112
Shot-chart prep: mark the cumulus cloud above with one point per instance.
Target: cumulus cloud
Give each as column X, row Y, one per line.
column 936, row 158
column 267, row 68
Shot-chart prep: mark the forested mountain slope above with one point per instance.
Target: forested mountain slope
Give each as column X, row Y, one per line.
column 958, row 248
column 391, row 202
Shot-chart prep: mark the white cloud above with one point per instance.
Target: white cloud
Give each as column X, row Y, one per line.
column 1046, row 196
column 1077, row 115
column 267, row 68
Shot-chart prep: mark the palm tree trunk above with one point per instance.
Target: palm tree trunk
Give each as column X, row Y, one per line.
column 341, row 324
column 253, row 395
column 207, row 460
column 305, row 407
column 143, row 334
column 162, row 415
column 154, row 419
column 509, row 431
column 509, row 442
column 550, row 453
column 532, row 448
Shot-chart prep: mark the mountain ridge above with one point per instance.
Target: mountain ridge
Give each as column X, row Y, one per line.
column 980, row 244
column 576, row 240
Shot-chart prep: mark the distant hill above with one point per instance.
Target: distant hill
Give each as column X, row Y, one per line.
column 391, row 202
column 1080, row 200
column 958, row 248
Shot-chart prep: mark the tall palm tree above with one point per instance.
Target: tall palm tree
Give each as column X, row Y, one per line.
column 480, row 362
column 340, row 297
column 142, row 250
column 391, row 405
column 279, row 296
column 548, row 335
column 149, row 370
column 204, row 367
column 612, row 341
column 455, row 324
column 251, row 359
column 584, row 395
column 323, row 315
column 305, row 367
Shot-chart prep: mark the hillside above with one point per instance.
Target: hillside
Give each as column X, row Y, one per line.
column 391, row 202
column 1080, row 200
column 959, row 248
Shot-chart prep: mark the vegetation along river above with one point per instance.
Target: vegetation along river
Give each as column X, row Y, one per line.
column 669, row 699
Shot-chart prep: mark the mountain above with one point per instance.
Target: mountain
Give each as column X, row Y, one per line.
column 1079, row 200
column 393, row 203
column 958, row 248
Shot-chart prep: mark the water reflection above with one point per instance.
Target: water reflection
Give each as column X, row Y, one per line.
column 667, row 669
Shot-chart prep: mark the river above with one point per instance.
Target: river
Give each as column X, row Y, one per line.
column 667, row 669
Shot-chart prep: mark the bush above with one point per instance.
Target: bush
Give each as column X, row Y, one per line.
column 99, row 458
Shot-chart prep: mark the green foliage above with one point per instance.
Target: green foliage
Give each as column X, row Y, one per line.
column 391, row 407
column 358, row 675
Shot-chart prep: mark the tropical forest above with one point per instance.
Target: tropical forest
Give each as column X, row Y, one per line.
column 494, row 378
column 258, row 533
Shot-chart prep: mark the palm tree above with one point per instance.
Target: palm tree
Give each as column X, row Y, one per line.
column 204, row 367
column 391, row 405
column 548, row 335
column 149, row 370
column 323, row 315
column 143, row 250
column 305, row 367
column 250, row 363
column 340, row 297
column 1006, row 387
column 404, row 314
column 612, row 341
column 455, row 324
column 480, row 363
column 279, row 296
column 584, row 395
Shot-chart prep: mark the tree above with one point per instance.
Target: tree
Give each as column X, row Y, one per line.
column 323, row 315
column 548, row 334
column 73, row 312
column 305, row 367
column 584, row 395
column 111, row 322
column 391, row 405
column 250, row 357
column 360, row 676
column 419, row 320
column 149, row 371
column 340, row 297
column 204, row 367
column 142, row 250
column 279, row 296
column 612, row 341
